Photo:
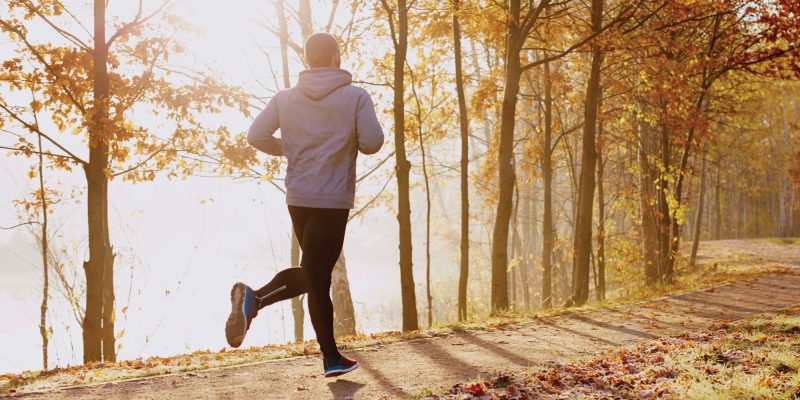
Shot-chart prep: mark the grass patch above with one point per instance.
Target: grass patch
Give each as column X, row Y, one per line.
column 757, row 358
column 785, row 241
column 730, row 268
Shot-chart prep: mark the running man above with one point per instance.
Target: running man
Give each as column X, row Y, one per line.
column 324, row 123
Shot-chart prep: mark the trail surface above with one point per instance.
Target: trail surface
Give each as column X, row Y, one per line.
column 403, row 369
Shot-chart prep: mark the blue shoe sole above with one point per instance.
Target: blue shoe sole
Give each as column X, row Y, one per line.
column 337, row 372
column 236, row 327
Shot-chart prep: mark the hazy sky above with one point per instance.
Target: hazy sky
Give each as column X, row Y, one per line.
column 178, row 255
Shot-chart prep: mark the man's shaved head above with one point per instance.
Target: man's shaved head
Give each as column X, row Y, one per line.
column 322, row 50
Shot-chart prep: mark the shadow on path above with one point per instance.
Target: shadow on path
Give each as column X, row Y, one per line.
column 344, row 389
column 700, row 299
column 432, row 350
column 644, row 316
column 499, row 350
column 617, row 328
column 579, row 333
column 387, row 385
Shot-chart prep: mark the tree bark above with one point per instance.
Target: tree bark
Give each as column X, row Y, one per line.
column 344, row 322
column 526, row 243
column 463, row 120
column 519, row 256
column 646, row 199
column 547, row 183
column 601, row 208
column 97, row 326
column 506, row 175
column 283, row 38
column 663, row 215
column 583, row 221
column 298, row 314
column 718, row 204
column 109, row 302
column 428, row 295
column 306, row 22
column 786, row 210
column 403, row 166
column 45, row 269
column 675, row 237
column 698, row 217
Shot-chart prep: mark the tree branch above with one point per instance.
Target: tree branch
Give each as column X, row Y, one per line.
column 620, row 18
column 69, row 36
column 390, row 17
column 371, row 201
column 44, row 153
column 374, row 168
column 332, row 15
column 19, row 225
column 143, row 162
column 33, row 128
column 137, row 21
column 529, row 20
column 44, row 62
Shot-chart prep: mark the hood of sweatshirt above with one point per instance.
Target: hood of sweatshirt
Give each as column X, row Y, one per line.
column 317, row 83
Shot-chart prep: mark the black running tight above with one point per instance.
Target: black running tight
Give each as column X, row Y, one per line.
column 320, row 232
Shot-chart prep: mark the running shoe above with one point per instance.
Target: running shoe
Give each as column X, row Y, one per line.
column 338, row 366
column 243, row 310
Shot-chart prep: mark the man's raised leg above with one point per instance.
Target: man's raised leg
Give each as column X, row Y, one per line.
column 246, row 302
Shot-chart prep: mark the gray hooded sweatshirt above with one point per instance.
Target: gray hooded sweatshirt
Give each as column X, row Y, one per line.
column 324, row 122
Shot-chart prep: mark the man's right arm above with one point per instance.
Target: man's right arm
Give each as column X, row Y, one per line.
column 368, row 129
column 261, row 133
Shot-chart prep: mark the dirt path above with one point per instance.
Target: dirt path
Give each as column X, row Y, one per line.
column 403, row 369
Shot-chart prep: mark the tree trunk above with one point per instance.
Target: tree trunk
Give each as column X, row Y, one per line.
column 298, row 314
column 98, row 325
column 583, row 221
column 428, row 295
column 547, row 183
column 519, row 256
column 663, row 215
column 786, row 210
column 513, row 304
column 304, row 16
column 648, row 214
column 698, row 217
column 601, row 208
column 344, row 322
column 527, row 243
column 675, row 237
column 109, row 302
column 742, row 214
column 45, row 271
column 790, row 231
column 463, row 122
column 506, row 176
column 402, row 167
column 718, row 203
column 283, row 38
